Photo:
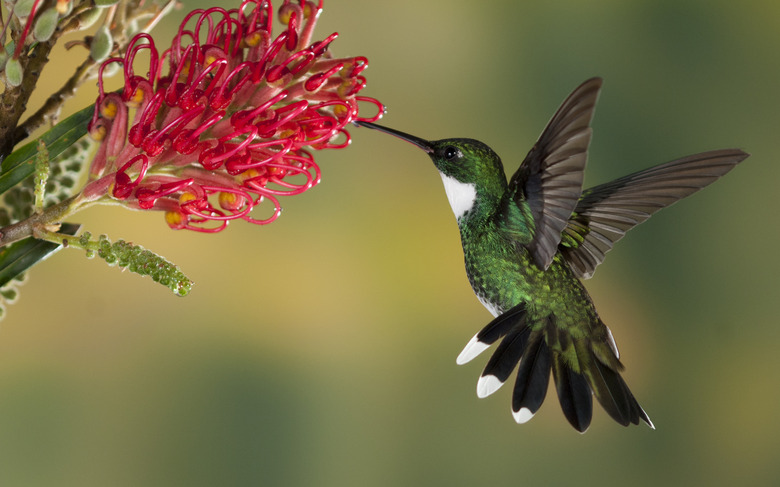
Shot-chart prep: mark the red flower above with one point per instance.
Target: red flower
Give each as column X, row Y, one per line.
column 228, row 125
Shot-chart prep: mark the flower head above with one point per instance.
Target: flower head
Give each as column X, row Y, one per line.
column 223, row 120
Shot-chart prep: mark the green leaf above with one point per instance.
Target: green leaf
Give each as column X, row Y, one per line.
column 21, row 163
column 20, row 256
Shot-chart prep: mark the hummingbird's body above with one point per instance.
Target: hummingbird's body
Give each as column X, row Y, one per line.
column 528, row 242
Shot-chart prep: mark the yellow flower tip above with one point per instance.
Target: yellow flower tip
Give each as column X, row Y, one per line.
column 285, row 14
column 253, row 39
column 285, row 133
column 185, row 70
column 98, row 133
column 137, row 97
column 310, row 9
column 340, row 111
column 186, row 197
column 175, row 219
column 344, row 89
column 250, row 173
column 259, row 177
column 231, row 201
column 210, row 59
column 109, row 109
column 276, row 171
column 349, row 87
column 350, row 65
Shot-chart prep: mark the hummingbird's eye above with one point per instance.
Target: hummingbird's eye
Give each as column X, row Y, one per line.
column 451, row 153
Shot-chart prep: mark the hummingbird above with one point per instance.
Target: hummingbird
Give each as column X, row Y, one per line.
column 528, row 243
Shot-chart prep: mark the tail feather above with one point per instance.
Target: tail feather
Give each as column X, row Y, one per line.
column 533, row 377
column 574, row 395
column 503, row 361
column 581, row 367
column 608, row 387
column 491, row 333
column 630, row 411
column 640, row 413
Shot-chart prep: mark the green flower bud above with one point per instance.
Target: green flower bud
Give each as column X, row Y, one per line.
column 14, row 73
column 88, row 18
column 45, row 24
column 102, row 44
column 23, row 8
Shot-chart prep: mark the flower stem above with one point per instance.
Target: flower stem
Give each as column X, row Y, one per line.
column 37, row 222
column 14, row 100
column 60, row 239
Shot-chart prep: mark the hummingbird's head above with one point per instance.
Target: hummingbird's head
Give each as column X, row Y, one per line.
column 466, row 161
column 472, row 173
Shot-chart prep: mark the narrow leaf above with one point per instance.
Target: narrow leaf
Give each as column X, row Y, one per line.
column 20, row 256
column 21, row 163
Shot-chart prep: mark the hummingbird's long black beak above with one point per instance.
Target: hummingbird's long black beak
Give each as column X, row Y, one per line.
column 421, row 143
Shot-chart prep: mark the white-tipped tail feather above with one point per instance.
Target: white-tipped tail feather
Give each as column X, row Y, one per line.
column 472, row 349
column 487, row 385
column 522, row 416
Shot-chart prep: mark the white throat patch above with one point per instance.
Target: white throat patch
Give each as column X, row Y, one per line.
column 460, row 195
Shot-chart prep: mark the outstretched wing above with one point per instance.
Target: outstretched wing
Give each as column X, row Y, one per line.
column 548, row 184
column 606, row 212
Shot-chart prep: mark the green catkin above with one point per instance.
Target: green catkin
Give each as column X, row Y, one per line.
column 137, row 260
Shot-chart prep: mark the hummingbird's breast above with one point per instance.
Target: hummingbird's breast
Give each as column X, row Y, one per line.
column 503, row 274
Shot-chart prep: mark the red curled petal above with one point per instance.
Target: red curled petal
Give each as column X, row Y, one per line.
column 317, row 80
column 123, row 185
column 375, row 102
column 132, row 51
column 147, row 197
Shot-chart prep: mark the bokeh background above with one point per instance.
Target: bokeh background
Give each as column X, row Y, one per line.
column 320, row 350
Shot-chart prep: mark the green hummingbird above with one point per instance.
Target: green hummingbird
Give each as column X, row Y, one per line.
column 528, row 244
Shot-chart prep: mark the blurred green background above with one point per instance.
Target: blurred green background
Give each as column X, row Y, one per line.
column 320, row 350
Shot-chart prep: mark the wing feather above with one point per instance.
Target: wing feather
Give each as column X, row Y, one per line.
column 606, row 212
column 549, row 181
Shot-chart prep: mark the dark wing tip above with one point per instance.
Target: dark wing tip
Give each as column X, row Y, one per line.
column 739, row 154
column 606, row 212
